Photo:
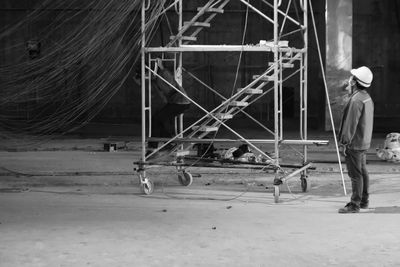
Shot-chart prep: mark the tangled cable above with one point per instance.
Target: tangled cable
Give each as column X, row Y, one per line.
column 79, row 69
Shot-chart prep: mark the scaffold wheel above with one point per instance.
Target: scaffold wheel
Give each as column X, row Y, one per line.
column 303, row 184
column 185, row 178
column 147, row 187
column 276, row 193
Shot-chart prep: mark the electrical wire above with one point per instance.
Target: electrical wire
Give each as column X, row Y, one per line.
column 169, row 195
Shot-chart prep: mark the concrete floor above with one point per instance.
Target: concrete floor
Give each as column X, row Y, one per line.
column 84, row 208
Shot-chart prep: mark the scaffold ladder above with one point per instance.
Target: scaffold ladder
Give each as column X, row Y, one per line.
column 208, row 9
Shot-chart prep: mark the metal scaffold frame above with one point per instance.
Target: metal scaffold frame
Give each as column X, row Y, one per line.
column 285, row 57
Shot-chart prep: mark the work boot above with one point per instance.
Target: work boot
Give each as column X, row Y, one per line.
column 364, row 205
column 349, row 208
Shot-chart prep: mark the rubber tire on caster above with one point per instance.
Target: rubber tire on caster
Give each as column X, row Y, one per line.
column 276, row 193
column 185, row 178
column 147, row 187
column 303, row 184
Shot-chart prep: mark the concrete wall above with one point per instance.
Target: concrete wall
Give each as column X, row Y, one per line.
column 376, row 44
column 339, row 38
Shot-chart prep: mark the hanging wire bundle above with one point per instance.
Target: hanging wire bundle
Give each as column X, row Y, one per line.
column 83, row 67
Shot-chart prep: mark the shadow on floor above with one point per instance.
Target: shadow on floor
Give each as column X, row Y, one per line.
column 390, row 210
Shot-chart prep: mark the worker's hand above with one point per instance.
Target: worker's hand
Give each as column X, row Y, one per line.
column 343, row 149
column 159, row 63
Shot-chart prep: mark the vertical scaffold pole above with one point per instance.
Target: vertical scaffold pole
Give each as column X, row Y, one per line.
column 179, row 76
column 305, row 77
column 143, row 81
column 276, row 84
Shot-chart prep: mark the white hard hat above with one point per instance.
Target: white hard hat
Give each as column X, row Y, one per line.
column 363, row 76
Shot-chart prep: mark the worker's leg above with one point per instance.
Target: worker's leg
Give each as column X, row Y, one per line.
column 168, row 118
column 163, row 124
column 354, row 167
column 158, row 124
column 365, row 175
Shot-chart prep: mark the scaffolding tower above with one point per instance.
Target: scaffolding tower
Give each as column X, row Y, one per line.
column 270, row 81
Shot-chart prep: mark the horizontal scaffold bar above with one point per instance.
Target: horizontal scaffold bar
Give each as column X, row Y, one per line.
column 254, row 141
column 223, row 48
column 225, row 164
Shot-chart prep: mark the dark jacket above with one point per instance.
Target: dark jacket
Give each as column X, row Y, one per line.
column 357, row 121
column 171, row 95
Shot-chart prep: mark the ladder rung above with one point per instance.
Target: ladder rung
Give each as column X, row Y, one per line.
column 205, row 128
column 181, row 153
column 239, row 103
column 283, row 43
column 284, row 65
column 252, row 91
column 265, row 78
column 287, row 65
column 224, row 116
column 213, row 10
column 184, row 38
column 198, row 24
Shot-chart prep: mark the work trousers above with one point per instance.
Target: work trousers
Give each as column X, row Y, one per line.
column 163, row 124
column 357, row 170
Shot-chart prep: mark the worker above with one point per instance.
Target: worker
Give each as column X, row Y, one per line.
column 176, row 103
column 355, row 137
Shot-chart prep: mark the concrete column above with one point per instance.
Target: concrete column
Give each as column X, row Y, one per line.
column 339, row 32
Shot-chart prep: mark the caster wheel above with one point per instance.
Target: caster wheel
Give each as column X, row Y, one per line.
column 185, row 178
column 303, row 184
column 147, row 187
column 276, row 193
